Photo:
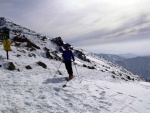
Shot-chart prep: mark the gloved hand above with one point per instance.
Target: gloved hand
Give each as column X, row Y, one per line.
column 73, row 60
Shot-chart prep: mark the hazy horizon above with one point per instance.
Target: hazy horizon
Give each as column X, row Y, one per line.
column 136, row 55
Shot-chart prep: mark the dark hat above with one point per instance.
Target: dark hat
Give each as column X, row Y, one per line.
column 66, row 46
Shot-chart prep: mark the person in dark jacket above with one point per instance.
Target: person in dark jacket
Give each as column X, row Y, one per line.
column 67, row 56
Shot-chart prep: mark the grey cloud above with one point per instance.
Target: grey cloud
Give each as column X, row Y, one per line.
column 138, row 29
column 79, row 22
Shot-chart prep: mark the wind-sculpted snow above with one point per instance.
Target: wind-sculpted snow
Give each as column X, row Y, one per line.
column 106, row 88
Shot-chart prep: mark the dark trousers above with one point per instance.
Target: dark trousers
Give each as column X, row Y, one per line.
column 68, row 65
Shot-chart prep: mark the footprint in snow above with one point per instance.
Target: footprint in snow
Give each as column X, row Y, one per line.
column 103, row 93
column 42, row 97
column 57, row 89
column 132, row 96
column 120, row 93
column 105, row 103
column 27, row 103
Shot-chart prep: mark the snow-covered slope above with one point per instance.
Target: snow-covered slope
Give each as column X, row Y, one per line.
column 35, row 85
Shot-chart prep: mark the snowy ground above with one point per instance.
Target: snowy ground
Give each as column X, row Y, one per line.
column 38, row 91
column 106, row 89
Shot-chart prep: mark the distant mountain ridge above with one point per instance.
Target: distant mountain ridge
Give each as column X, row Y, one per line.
column 128, row 55
column 111, row 57
column 148, row 56
column 138, row 65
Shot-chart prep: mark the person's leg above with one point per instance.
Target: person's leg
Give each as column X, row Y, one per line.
column 70, row 68
column 68, row 65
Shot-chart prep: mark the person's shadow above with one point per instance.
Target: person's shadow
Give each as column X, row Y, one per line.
column 54, row 80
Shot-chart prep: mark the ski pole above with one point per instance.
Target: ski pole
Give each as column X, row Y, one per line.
column 57, row 69
column 76, row 71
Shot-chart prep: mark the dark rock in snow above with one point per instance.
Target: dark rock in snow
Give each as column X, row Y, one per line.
column 43, row 38
column 22, row 39
column 58, row 41
column 18, row 55
column 28, row 67
column 81, row 55
column 91, row 67
column 42, row 64
column 48, row 55
column 11, row 66
column 32, row 55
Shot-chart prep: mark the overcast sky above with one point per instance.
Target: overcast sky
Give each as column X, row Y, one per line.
column 100, row 26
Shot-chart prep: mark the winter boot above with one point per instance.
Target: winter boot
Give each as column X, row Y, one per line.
column 71, row 77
